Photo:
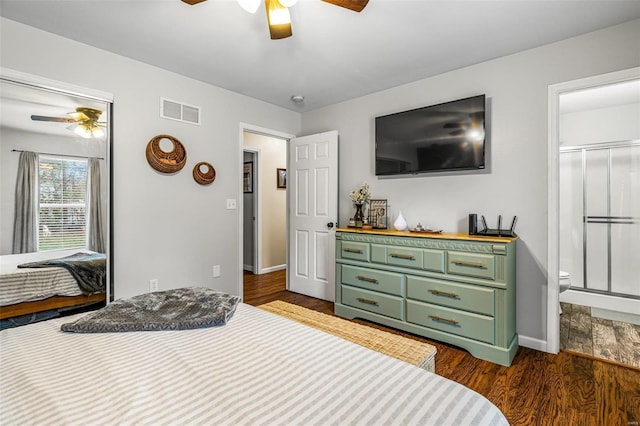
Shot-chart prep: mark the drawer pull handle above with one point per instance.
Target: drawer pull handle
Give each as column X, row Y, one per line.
column 367, row 301
column 351, row 250
column 367, row 279
column 402, row 256
column 443, row 293
column 472, row 264
column 448, row 321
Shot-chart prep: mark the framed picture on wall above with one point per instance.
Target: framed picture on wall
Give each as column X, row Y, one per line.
column 247, row 177
column 282, row 178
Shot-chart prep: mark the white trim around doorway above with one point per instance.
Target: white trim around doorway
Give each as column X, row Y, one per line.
column 245, row 127
column 553, row 226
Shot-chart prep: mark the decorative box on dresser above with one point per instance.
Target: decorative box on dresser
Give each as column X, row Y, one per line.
column 455, row 288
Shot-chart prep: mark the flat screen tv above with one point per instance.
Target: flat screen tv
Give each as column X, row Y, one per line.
column 436, row 138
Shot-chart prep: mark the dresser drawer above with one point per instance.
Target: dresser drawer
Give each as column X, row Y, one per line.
column 383, row 304
column 355, row 251
column 397, row 256
column 471, row 264
column 372, row 279
column 454, row 295
column 466, row 324
column 433, row 260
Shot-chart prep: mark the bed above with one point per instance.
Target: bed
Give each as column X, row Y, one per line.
column 26, row 291
column 259, row 368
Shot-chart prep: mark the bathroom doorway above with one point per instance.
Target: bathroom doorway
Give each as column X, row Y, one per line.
column 594, row 204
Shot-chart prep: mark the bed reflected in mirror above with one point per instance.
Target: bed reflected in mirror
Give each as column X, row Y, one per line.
column 54, row 192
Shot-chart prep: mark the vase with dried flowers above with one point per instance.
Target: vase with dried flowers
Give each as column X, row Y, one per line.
column 360, row 196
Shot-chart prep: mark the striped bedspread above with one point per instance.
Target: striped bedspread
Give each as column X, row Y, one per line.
column 259, row 369
column 26, row 285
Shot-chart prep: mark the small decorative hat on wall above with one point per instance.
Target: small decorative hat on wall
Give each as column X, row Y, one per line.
column 171, row 161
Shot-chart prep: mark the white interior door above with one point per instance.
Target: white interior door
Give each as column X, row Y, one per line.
column 313, row 211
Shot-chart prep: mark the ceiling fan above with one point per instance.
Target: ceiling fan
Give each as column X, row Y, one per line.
column 278, row 16
column 471, row 126
column 84, row 122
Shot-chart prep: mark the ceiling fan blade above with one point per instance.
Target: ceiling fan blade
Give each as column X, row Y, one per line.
column 453, row 126
column 279, row 20
column 355, row 5
column 78, row 116
column 192, row 2
column 457, row 132
column 56, row 119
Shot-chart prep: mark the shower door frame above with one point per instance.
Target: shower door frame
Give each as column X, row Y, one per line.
column 607, row 220
column 552, row 343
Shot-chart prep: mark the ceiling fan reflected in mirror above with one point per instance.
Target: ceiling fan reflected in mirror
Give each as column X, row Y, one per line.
column 84, row 122
column 278, row 16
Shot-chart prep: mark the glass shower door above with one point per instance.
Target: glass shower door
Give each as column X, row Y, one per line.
column 612, row 220
column 625, row 226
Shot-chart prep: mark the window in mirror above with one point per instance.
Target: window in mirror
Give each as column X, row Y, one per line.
column 62, row 209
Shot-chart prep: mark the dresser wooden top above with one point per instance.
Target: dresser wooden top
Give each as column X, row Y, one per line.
column 442, row 236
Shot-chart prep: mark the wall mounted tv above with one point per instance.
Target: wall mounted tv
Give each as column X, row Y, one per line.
column 436, row 138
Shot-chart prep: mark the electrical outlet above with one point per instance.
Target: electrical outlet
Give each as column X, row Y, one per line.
column 153, row 285
column 231, row 203
column 216, row 271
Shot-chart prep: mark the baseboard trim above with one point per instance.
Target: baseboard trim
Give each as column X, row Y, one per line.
column 531, row 343
column 273, row 269
column 247, row 268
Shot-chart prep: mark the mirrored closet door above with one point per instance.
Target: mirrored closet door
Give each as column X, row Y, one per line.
column 55, row 195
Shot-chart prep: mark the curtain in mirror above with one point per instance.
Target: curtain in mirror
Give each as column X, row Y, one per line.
column 24, row 230
column 96, row 225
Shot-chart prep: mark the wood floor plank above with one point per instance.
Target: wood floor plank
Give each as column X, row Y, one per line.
column 538, row 389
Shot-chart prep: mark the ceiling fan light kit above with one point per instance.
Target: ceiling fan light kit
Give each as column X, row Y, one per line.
column 278, row 16
column 86, row 131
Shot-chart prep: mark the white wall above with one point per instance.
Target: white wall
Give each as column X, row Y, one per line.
column 165, row 226
column 613, row 124
column 516, row 180
column 273, row 237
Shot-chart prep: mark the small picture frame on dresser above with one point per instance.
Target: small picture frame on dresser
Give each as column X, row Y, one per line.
column 378, row 212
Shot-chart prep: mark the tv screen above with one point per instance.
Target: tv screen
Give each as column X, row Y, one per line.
column 443, row 137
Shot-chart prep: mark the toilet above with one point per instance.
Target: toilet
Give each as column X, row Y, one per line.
column 565, row 283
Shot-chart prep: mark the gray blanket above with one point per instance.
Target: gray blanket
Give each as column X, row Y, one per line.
column 178, row 309
column 89, row 269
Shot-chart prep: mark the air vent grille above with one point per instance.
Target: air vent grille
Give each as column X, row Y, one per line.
column 174, row 110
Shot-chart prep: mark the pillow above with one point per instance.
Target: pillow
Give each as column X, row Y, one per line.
column 177, row 309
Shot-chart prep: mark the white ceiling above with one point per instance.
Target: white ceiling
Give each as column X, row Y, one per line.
column 334, row 55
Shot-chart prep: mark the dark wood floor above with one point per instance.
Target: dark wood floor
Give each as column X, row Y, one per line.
column 538, row 389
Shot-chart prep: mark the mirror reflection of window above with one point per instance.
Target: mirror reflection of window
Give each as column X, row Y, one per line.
column 62, row 206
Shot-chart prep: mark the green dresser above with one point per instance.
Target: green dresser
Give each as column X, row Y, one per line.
column 456, row 288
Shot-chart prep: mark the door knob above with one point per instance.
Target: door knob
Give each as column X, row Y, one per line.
column 330, row 225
